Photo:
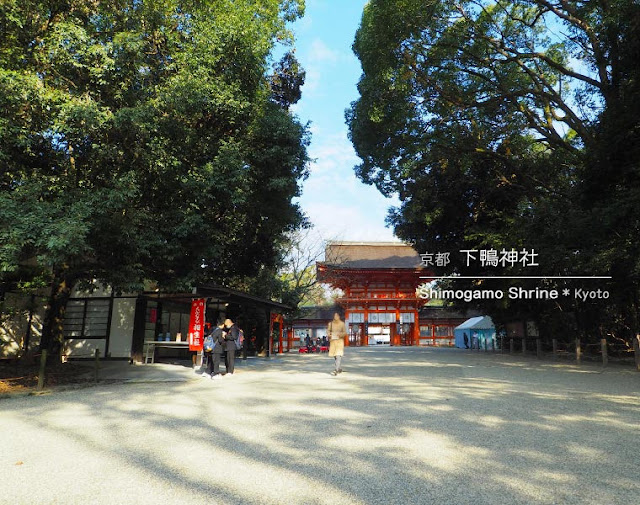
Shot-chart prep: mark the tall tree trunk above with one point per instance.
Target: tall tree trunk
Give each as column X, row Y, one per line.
column 53, row 326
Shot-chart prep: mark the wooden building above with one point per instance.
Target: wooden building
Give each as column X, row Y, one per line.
column 313, row 322
column 118, row 325
column 378, row 281
column 437, row 324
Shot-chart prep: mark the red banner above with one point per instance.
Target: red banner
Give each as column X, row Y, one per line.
column 196, row 325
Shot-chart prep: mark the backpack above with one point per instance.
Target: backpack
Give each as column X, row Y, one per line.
column 209, row 343
column 213, row 340
column 240, row 340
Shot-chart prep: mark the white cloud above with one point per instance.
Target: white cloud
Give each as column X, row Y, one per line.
column 320, row 52
column 334, row 153
column 345, row 221
column 320, row 61
column 303, row 25
column 311, row 80
column 336, row 201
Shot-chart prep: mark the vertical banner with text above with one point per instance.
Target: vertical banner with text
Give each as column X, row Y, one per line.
column 196, row 324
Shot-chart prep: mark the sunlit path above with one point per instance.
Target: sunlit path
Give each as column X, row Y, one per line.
column 400, row 425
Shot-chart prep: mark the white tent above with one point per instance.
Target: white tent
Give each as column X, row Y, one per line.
column 479, row 330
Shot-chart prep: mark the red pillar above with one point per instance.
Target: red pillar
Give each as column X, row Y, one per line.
column 365, row 334
column 395, row 325
column 346, row 316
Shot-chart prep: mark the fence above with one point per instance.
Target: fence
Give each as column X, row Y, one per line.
column 576, row 350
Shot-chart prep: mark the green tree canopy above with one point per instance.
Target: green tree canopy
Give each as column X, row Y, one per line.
column 138, row 139
column 507, row 124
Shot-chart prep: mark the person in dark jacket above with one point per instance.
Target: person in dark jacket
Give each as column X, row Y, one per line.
column 232, row 334
column 221, row 344
column 207, row 356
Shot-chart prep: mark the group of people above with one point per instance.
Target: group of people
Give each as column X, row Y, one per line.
column 315, row 342
column 224, row 334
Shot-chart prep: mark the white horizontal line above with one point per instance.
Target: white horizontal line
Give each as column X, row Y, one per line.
column 521, row 277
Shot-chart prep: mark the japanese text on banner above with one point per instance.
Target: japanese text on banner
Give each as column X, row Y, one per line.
column 196, row 325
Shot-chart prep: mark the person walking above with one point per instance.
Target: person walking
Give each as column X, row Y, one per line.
column 218, row 337
column 336, row 330
column 232, row 334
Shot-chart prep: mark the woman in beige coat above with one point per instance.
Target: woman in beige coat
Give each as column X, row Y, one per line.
column 336, row 330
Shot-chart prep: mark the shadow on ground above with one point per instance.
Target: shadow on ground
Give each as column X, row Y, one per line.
column 400, row 425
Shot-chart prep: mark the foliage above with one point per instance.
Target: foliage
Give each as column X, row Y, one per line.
column 137, row 138
column 509, row 124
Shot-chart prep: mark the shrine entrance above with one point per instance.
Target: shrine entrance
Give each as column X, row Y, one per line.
column 405, row 334
column 378, row 281
column 396, row 334
column 362, row 334
column 379, row 334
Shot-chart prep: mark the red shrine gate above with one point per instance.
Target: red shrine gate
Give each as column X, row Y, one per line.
column 379, row 282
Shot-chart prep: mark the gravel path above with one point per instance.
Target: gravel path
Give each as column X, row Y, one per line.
column 399, row 426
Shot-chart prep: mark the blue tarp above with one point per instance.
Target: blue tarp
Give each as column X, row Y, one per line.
column 479, row 330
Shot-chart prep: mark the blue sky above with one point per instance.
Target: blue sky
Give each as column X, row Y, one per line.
column 338, row 204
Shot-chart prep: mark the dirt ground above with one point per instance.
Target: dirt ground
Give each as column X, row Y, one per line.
column 19, row 376
column 400, row 425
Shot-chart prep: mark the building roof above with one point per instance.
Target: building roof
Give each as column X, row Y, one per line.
column 430, row 312
column 477, row 323
column 319, row 312
column 371, row 255
column 215, row 293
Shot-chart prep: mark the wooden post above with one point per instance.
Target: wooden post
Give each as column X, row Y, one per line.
column 43, row 364
column 636, row 351
column 27, row 336
column 578, row 351
column 139, row 324
column 539, row 348
column 554, row 343
column 97, row 365
column 416, row 328
column 605, row 354
column 269, row 348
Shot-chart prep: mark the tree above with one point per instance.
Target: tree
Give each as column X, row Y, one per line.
column 298, row 271
column 137, row 138
column 494, row 123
